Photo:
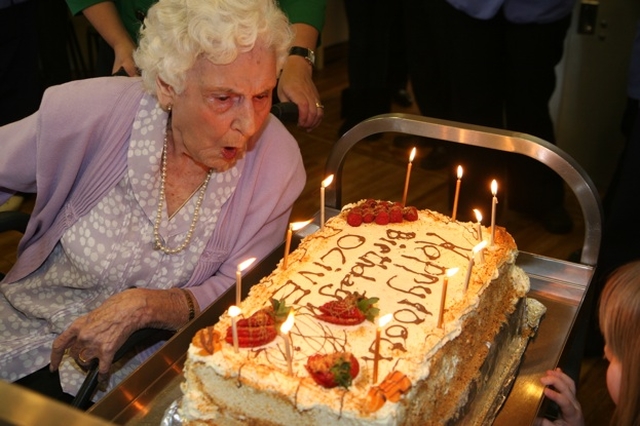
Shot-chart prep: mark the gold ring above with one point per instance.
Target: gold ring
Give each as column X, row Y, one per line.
column 81, row 358
column 319, row 105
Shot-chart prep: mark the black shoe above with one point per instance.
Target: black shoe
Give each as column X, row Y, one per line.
column 438, row 158
column 403, row 98
column 556, row 221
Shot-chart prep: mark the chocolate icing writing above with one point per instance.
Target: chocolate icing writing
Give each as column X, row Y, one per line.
column 461, row 251
column 288, row 289
column 367, row 261
column 416, row 290
column 407, row 316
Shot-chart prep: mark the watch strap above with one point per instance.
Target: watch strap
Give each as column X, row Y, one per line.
column 306, row 53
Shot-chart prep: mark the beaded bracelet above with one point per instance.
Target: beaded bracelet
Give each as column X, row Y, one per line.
column 192, row 310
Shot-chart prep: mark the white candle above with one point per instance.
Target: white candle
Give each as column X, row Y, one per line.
column 383, row 321
column 406, row 180
column 284, row 331
column 450, row 272
column 455, row 199
column 494, row 191
column 234, row 311
column 326, row 182
column 476, row 249
column 241, row 267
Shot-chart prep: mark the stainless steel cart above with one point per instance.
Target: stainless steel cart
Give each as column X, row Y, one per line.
column 563, row 287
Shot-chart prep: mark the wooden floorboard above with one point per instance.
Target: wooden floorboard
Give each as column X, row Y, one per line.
column 376, row 169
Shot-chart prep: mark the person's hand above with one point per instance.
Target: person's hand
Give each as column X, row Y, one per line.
column 296, row 85
column 561, row 389
column 124, row 58
column 100, row 333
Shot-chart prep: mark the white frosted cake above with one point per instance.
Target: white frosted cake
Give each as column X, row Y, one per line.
column 339, row 283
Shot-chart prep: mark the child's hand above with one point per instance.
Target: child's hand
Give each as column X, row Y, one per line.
column 562, row 390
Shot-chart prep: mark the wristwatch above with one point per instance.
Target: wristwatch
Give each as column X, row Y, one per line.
column 308, row 54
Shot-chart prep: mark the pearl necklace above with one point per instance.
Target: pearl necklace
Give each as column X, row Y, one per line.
column 158, row 245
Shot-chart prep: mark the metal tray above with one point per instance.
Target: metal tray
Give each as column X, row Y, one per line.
column 563, row 287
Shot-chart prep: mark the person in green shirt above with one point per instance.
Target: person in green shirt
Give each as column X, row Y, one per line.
column 118, row 23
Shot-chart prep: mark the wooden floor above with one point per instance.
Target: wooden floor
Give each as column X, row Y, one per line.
column 376, row 169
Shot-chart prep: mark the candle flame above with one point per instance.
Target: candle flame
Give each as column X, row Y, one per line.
column 327, row 181
column 244, row 265
column 452, row 271
column 234, row 311
column 296, row 226
column 459, row 172
column 288, row 324
column 479, row 247
column 478, row 215
column 413, row 154
column 494, row 187
column 384, row 320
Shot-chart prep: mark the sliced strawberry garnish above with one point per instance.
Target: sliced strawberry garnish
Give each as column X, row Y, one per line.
column 331, row 370
column 352, row 310
column 261, row 327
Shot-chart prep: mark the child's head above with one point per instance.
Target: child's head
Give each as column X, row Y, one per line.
column 619, row 315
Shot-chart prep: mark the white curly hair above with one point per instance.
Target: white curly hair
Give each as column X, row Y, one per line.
column 177, row 32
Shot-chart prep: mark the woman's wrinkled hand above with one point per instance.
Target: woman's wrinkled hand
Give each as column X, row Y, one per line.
column 100, row 333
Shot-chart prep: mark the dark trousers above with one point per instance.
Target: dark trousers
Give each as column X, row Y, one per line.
column 492, row 73
column 46, row 383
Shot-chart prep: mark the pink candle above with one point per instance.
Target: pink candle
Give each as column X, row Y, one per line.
column 234, row 311
column 285, row 328
column 455, row 199
column 293, row 227
column 476, row 249
column 241, row 267
column 326, row 182
column 450, row 272
column 494, row 191
column 383, row 321
column 406, row 180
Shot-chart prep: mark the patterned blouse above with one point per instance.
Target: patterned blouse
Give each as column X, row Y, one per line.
column 105, row 252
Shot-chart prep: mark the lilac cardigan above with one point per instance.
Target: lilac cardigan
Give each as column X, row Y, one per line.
column 74, row 150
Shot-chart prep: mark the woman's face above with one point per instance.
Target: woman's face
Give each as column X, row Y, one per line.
column 223, row 108
column 614, row 374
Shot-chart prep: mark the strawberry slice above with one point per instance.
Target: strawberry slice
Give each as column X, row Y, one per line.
column 331, row 370
column 261, row 327
column 350, row 310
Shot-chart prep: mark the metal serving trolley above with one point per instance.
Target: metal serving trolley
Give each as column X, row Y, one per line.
column 562, row 286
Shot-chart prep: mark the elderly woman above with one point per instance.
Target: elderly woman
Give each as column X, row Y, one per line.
column 150, row 191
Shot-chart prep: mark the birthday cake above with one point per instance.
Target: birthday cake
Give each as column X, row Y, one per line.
column 337, row 361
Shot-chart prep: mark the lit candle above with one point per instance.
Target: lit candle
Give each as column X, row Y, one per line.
column 241, row 267
column 472, row 256
column 384, row 320
column 234, row 311
column 284, row 330
column 450, row 272
column 494, row 191
column 479, row 218
column 455, row 199
column 324, row 184
column 406, row 181
column 293, row 227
